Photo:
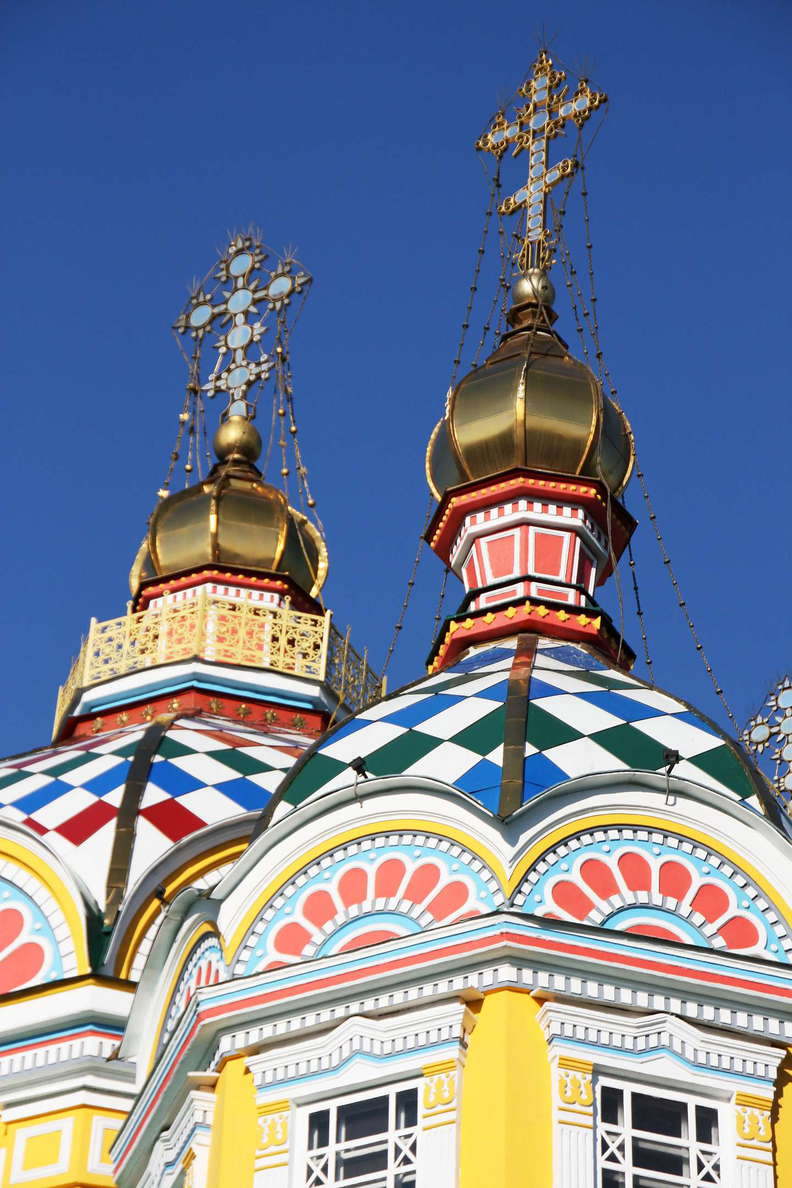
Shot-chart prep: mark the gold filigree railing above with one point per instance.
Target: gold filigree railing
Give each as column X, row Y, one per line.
column 223, row 631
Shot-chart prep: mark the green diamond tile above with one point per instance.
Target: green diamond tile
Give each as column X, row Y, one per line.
column 239, row 761
column 400, row 753
column 70, row 764
column 633, row 747
column 320, row 770
column 543, row 730
column 722, row 764
column 8, row 778
column 483, row 736
column 169, row 748
column 602, row 681
column 126, row 751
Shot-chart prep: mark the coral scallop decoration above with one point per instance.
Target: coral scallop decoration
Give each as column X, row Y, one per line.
column 660, row 886
column 365, row 895
column 30, row 953
column 22, row 956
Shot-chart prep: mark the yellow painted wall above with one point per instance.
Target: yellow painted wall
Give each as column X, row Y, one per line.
column 782, row 1123
column 506, row 1119
column 66, row 1144
column 234, row 1128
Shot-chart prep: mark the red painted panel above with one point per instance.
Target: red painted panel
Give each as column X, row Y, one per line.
column 586, row 570
column 739, row 933
column 422, row 882
column 292, row 938
column 448, row 901
column 711, row 901
column 655, row 930
column 11, row 924
column 597, row 875
column 372, row 937
column 388, row 878
column 319, row 907
column 548, row 553
column 572, row 899
column 675, row 880
column 353, row 886
column 21, row 966
column 636, row 872
column 501, row 556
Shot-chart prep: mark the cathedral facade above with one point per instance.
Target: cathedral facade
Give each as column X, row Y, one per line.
column 525, row 921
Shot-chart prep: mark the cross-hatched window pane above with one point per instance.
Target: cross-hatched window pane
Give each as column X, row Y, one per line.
column 646, row 1141
column 364, row 1142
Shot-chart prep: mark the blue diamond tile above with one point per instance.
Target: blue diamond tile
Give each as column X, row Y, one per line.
column 32, row 801
column 576, row 657
column 108, row 781
column 540, row 688
column 482, row 781
column 627, row 708
column 173, row 779
column 414, row 715
column 482, row 659
column 245, row 793
column 694, row 720
column 539, row 773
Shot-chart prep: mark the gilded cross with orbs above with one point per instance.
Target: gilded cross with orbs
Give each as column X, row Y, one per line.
column 549, row 109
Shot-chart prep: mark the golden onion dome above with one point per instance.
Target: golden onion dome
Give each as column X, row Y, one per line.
column 232, row 518
column 531, row 404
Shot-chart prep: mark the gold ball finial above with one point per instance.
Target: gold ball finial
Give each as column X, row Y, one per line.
column 237, row 437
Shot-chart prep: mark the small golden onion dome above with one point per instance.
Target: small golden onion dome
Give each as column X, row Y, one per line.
column 232, row 518
column 531, row 404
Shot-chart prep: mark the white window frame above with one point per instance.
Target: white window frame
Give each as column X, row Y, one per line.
column 398, row 1139
column 714, row 1158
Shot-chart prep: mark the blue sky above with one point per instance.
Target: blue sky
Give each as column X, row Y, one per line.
column 135, row 136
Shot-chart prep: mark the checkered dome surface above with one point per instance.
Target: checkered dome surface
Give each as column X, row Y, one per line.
column 583, row 717
column 204, row 772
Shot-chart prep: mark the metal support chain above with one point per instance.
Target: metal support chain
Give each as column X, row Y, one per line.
column 408, row 591
column 606, row 376
column 441, row 600
column 640, row 613
column 501, row 288
column 494, row 190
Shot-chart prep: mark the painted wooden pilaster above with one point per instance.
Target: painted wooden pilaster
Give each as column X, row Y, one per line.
column 573, row 1116
column 272, row 1153
column 754, row 1146
column 438, row 1125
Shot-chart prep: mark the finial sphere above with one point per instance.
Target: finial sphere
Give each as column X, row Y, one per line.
column 237, row 437
column 533, row 286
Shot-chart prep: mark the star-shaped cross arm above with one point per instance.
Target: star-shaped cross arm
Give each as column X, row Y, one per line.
column 245, row 293
column 550, row 107
column 768, row 736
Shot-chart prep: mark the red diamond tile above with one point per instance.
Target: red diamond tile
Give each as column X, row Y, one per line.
column 32, row 824
column 172, row 819
column 85, row 824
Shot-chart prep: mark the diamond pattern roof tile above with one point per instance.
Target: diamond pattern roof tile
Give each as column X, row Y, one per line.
column 583, row 717
column 203, row 773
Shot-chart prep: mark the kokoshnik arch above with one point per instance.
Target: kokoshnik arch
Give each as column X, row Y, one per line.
column 525, row 921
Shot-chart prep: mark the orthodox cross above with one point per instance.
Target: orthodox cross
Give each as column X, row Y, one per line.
column 549, row 108
column 238, row 315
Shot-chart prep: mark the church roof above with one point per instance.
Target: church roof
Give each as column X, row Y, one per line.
column 582, row 717
column 202, row 772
